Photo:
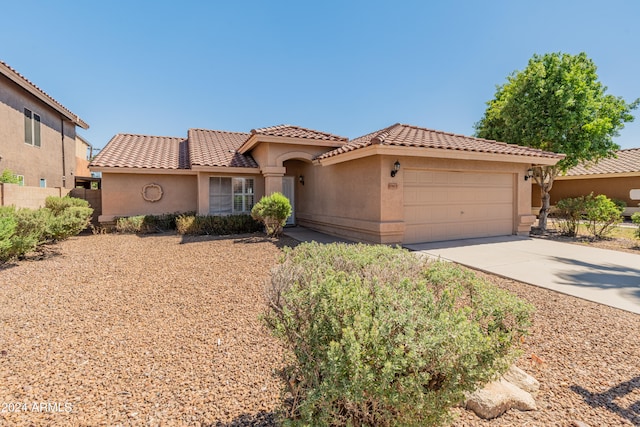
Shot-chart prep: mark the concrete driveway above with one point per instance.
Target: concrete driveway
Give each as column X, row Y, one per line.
column 599, row 275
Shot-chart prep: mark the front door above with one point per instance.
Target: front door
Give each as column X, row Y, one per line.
column 288, row 189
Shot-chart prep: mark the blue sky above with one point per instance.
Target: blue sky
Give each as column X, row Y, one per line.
column 346, row 67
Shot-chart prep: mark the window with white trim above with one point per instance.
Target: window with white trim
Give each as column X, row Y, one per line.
column 230, row 195
column 31, row 128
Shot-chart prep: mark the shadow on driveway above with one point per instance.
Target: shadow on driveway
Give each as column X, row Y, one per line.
column 602, row 276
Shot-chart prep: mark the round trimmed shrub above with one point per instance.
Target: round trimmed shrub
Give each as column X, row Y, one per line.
column 380, row 337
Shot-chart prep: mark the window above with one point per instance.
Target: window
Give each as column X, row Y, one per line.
column 43, row 183
column 230, row 195
column 31, row 128
column 20, row 180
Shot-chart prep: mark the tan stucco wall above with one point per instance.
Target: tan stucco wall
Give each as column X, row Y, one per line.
column 122, row 194
column 34, row 162
column 82, row 162
column 28, row 197
column 614, row 188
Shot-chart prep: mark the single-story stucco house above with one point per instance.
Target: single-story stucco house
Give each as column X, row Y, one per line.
column 401, row 184
column 615, row 177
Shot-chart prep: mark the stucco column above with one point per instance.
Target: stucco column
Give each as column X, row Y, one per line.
column 273, row 179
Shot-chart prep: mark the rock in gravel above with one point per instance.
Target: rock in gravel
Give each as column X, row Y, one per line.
column 579, row 424
column 520, row 378
column 498, row 397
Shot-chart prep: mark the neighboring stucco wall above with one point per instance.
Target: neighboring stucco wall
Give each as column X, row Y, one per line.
column 27, row 197
column 35, row 162
column 82, row 161
column 614, row 188
column 122, row 194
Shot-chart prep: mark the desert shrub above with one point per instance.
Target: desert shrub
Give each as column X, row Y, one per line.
column 601, row 214
column 57, row 205
column 272, row 211
column 216, row 225
column 29, row 230
column 66, row 217
column 143, row 224
column 7, row 231
column 131, row 224
column 635, row 218
column 568, row 213
column 68, row 222
column 380, row 337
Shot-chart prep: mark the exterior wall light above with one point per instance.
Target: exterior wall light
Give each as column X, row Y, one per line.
column 529, row 174
column 301, row 179
column 396, row 168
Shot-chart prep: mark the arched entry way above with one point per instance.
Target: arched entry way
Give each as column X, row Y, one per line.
column 295, row 185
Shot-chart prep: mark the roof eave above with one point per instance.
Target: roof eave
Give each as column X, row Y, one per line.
column 148, row 171
column 437, row 153
column 256, row 139
column 20, row 81
column 600, row 175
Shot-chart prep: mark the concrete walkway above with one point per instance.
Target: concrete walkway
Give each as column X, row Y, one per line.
column 599, row 275
column 302, row 234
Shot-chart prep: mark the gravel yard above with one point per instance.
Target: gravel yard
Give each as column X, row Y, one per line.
column 164, row 330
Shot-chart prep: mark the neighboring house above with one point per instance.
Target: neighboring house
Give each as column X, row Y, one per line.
column 614, row 177
column 402, row 184
column 37, row 133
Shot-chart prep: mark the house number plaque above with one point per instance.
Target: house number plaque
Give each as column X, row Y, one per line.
column 152, row 192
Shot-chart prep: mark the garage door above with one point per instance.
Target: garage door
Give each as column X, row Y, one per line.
column 448, row 205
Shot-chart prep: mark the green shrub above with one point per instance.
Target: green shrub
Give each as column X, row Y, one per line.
column 7, row 232
column 635, row 218
column 380, row 337
column 143, row 224
column 66, row 217
column 68, row 222
column 602, row 215
column 131, row 224
column 216, row 225
column 58, row 205
column 273, row 212
column 9, row 177
column 569, row 212
column 29, row 230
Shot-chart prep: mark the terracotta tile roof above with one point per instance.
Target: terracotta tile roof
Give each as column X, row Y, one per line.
column 627, row 161
column 144, row 151
column 218, row 148
column 21, row 80
column 297, row 132
column 413, row 136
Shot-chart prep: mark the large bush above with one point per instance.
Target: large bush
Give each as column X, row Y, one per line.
column 25, row 230
column 272, row 211
column 68, row 216
column 601, row 214
column 635, row 218
column 569, row 213
column 380, row 337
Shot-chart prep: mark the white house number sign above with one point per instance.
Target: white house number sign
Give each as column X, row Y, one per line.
column 152, row 192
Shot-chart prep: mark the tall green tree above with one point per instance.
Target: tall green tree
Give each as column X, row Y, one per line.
column 556, row 104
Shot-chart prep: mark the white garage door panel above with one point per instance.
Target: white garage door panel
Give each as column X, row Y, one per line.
column 446, row 205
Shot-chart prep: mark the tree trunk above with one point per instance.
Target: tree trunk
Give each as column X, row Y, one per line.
column 544, row 177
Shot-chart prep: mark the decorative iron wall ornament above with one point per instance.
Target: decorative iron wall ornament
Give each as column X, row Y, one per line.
column 152, row 192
